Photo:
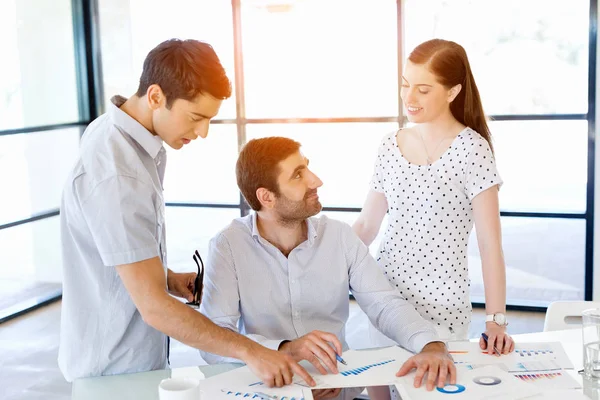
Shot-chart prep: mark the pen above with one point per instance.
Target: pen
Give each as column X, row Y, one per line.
column 340, row 359
column 485, row 338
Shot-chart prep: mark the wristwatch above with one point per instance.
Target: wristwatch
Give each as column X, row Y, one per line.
column 498, row 318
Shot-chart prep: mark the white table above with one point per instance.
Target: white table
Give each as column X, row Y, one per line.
column 140, row 386
column 144, row 385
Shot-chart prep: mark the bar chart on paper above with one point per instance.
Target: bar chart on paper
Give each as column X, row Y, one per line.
column 365, row 368
column 527, row 357
column 241, row 383
column 550, row 380
column 360, row 370
column 532, row 352
column 257, row 395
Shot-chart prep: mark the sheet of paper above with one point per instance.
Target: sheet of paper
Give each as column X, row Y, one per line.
column 484, row 383
column 527, row 357
column 365, row 368
column 548, row 380
column 242, row 383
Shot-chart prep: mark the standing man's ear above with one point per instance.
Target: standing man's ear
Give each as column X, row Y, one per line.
column 453, row 92
column 155, row 97
column 266, row 197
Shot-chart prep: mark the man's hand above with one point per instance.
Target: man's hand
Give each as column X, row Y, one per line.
column 433, row 360
column 315, row 348
column 322, row 394
column 275, row 368
column 498, row 337
column 181, row 284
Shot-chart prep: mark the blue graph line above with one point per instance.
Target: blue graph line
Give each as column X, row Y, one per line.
column 360, row 370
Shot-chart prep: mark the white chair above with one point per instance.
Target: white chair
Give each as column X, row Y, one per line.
column 566, row 314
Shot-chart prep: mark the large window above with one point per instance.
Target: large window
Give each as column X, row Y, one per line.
column 129, row 29
column 36, row 166
column 307, row 59
column 528, row 57
column 323, row 72
column 38, row 83
column 329, row 79
column 40, row 126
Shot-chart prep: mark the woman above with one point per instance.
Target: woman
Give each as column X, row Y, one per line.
column 435, row 179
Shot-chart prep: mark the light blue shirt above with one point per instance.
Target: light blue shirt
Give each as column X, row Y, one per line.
column 252, row 288
column 112, row 213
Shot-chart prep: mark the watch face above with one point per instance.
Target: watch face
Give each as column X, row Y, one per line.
column 500, row 319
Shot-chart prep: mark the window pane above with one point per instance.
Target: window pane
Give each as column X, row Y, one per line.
column 543, row 165
column 31, row 251
column 37, row 175
column 531, row 57
column 204, row 170
column 37, row 78
column 190, row 229
column 320, row 58
column 130, row 29
column 342, row 155
column 545, row 260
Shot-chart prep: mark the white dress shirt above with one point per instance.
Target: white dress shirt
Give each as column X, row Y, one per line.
column 252, row 288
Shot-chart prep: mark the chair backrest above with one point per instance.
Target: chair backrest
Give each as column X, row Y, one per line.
column 566, row 314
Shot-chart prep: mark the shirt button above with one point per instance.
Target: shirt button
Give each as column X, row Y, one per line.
column 297, row 314
column 293, row 281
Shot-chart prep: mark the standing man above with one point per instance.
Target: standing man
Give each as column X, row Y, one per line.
column 116, row 310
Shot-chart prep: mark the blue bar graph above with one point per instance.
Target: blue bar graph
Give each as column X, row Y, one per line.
column 258, row 396
column 360, row 370
column 529, row 353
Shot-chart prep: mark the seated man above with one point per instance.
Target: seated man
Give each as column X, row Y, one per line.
column 282, row 277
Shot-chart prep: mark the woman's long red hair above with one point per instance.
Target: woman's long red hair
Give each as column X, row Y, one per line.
column 449, row 63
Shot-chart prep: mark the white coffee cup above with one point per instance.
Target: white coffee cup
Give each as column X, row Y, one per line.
column 179, row 389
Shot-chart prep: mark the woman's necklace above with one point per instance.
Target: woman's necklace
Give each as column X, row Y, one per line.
column 429, row 160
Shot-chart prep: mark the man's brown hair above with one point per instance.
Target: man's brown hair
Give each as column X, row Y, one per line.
column 184, row 69
column 258, row 166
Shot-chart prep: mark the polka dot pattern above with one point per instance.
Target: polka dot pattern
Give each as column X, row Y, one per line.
column 424, row 249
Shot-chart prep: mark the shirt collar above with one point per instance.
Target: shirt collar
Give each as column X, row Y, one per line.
column 311, row 233
column 149, row 142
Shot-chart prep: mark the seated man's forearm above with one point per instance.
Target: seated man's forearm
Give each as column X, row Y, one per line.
column 407, row 327
column 396, row 318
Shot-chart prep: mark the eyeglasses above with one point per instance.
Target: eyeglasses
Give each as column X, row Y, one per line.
column 198, row 283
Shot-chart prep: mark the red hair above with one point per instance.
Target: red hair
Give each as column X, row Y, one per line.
column 448, row 61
